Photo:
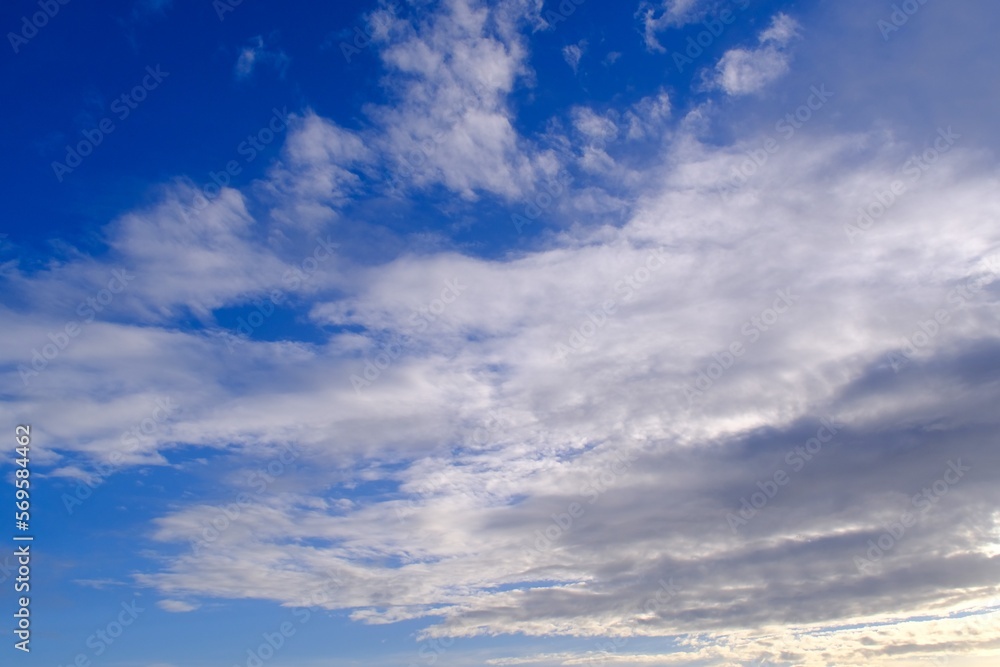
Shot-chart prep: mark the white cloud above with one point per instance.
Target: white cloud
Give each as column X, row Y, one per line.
column 919, row 643
column 648, row 117
column 669, row 14
column 452, row 125
column 594, row 128
column 255, row 54
column 782, row 31
column 321, row 167
column 743, row 71
column 177, row 606
column 573, row 53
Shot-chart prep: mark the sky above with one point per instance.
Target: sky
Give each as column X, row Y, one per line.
column 410, row 333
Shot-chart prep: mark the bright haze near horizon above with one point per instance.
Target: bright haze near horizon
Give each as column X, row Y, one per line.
column 412, row 333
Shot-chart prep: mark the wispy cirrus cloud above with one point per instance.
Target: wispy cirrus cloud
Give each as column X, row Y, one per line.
column 256, row 54
column 669, row 13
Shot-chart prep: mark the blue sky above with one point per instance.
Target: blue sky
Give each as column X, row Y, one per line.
column 511, row 333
